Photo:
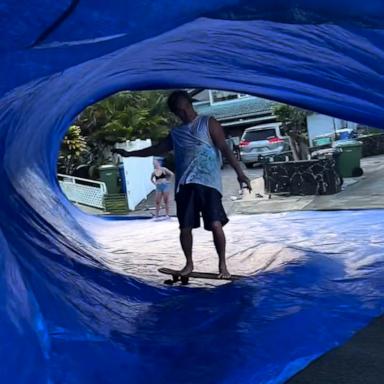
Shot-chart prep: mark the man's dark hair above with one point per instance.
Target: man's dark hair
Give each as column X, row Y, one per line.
column 175, row 96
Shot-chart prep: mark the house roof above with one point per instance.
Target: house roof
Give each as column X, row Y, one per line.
column 238, row 108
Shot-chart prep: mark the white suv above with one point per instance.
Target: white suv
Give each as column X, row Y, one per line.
column 263, row 140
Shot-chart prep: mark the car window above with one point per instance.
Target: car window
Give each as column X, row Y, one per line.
column 258, row 135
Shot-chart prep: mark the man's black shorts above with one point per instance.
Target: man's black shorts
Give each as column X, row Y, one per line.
column 193, row 199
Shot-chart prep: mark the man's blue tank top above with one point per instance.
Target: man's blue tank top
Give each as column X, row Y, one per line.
column 197, row 159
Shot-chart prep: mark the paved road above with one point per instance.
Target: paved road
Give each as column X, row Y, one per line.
column 230, row 188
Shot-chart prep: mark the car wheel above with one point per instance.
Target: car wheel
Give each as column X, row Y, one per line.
column 249, row 165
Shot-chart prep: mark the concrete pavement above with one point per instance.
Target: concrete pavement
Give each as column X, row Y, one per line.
column 366, row 192
column 230, row 193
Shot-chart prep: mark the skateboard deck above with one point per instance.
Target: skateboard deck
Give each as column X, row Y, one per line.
column 176, row 277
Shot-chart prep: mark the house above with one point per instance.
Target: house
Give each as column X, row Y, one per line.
column 238, row 111
column 235, row 111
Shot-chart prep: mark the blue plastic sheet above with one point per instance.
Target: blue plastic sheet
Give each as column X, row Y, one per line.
column 71, row 311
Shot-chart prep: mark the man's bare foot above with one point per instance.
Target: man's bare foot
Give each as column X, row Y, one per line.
column 186, row 270
column 223, row 272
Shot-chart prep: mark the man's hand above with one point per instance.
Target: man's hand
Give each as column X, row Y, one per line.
column 162, row 147
column 244, row 181
column 119, row 151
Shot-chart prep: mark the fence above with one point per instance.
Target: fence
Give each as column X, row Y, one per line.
column 83, row 191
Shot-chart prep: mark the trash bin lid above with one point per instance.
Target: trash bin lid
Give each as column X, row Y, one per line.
column 346, row 143
column 319, row 141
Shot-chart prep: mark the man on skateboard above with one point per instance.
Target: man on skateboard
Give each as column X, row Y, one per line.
column 197, row 143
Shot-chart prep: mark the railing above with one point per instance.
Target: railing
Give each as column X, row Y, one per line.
column 83, row 191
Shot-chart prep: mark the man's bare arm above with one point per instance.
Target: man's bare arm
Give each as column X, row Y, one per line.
column 154, row 150
column 217, row 134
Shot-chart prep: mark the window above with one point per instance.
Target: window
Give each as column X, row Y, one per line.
column 343, row 124
column 218, row 96
column 202, row 97
column 263, row 134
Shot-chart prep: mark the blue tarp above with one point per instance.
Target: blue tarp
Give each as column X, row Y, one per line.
column 68, row 314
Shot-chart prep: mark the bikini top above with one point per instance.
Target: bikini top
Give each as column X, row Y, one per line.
column 162, row 176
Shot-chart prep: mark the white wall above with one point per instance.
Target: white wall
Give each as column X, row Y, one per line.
column 319, row 124
column 137, row 171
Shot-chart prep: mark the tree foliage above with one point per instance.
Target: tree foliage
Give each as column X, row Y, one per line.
column 124, row 116
column 73, row 147
column 294, row 119
column 294, row 123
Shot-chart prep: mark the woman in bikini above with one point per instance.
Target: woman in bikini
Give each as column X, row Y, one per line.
column 161, row 178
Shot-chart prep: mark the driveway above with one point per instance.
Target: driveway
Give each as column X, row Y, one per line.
column 230, row 191
column 366, row 192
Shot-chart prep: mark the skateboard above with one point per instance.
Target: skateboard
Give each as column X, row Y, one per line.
column 176, row 277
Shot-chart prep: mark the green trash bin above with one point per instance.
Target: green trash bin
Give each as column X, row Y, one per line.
column 348, row 162
column 109, row 174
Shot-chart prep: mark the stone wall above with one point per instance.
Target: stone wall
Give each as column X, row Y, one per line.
column 311, row 177
column 372, row 145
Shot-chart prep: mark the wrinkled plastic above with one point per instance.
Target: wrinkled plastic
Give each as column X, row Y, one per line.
column 80, row 298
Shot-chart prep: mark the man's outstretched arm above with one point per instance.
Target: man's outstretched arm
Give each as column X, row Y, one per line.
column 155, row 150
column 217, row 134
